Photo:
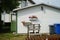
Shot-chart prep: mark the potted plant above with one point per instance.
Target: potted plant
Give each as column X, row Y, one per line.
column 33, row 18
column 23, row 22
column 26, row 23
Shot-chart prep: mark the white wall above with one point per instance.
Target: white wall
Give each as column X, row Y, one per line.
column 48, row 16
column 6, row 17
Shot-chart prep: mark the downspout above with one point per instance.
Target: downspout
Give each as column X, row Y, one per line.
column 11, row 22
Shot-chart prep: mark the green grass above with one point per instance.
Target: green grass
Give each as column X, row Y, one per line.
column 10, row 36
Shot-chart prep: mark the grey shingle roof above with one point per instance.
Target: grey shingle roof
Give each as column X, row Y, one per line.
column 37, row 5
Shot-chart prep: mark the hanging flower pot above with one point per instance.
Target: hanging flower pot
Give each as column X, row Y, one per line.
column 32, row 18
column 26, row 23
column 23, row 22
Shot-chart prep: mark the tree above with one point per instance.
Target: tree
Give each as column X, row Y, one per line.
column 0, row 8
column 0, row 13
column 7, row 6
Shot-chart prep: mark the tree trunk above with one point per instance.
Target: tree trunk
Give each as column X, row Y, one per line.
column 1, row 24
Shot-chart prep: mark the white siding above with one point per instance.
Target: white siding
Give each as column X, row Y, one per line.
column 48, row 16
column 2, row 17
column 6, row 17
column 13, row 17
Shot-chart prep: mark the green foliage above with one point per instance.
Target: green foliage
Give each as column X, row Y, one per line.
column 9, row 5
column 1, row 10
column 10, row 36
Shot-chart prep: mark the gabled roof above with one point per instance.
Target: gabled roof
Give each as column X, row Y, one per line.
column 37, row 5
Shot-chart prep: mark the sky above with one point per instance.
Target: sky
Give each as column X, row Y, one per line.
column 50, row 2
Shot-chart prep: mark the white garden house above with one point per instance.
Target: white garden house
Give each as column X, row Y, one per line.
column 42, row 14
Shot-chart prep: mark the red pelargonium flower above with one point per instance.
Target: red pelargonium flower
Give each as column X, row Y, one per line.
column 29, row 16
column 34, row 17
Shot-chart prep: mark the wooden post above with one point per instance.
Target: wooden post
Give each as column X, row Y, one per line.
column 33, row 28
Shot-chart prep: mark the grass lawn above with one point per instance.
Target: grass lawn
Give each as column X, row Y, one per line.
column 10, row 36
